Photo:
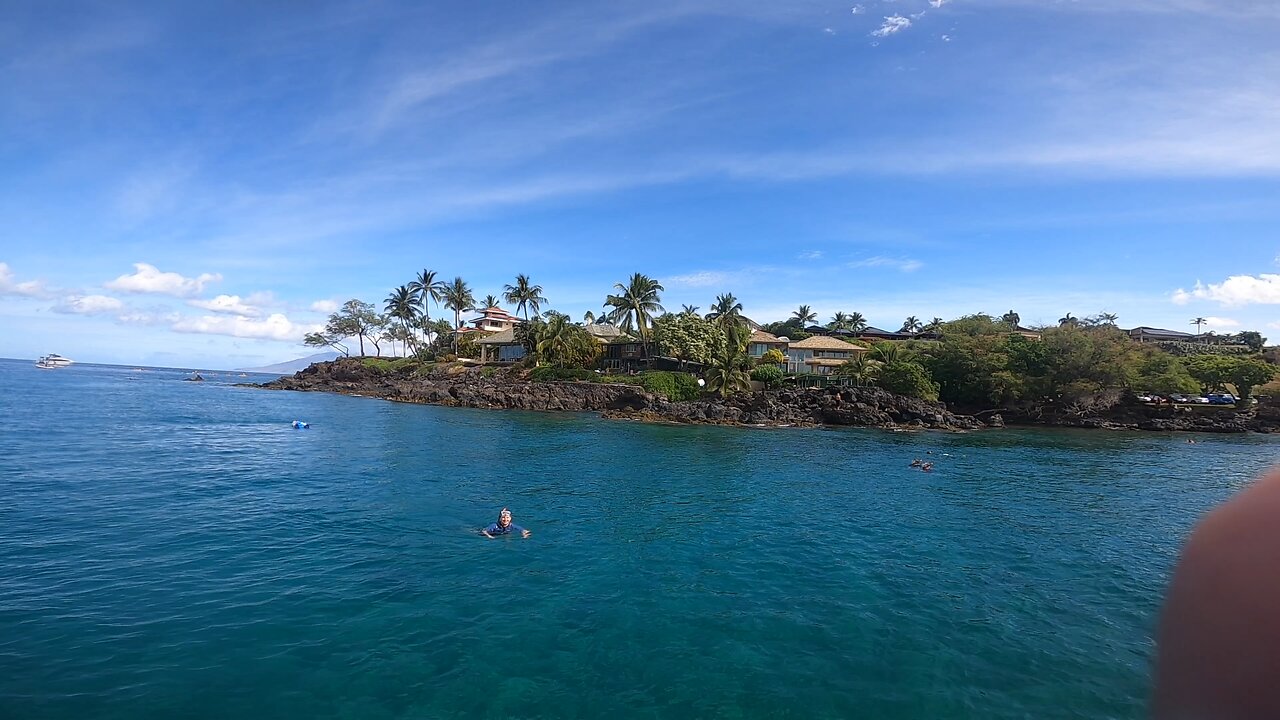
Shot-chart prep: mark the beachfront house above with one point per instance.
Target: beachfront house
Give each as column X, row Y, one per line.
column 493, row 319
column 501, row 346
column 604, row 333
column 1150, row 334
column 875, row 334
column 820, row 355
column 762, row 342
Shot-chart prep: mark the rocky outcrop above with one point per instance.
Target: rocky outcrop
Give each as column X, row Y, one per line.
column 1132, row 415
column 507, row 388
column 851, row 406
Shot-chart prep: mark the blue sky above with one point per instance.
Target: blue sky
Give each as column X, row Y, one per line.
column 193, row 184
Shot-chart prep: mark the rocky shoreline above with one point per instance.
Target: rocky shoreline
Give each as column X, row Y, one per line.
column 507, row 388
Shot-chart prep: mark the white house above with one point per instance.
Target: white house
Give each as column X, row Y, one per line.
column 820, row 355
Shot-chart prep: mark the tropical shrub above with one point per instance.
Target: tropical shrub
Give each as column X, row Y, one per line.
column 907, row 378
column 674, row 386
column 549, row 373
column 770, row 375
column 1188, row 349
column 774, row 356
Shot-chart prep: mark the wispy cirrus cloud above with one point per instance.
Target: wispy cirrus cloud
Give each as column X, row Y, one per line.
column 149, row 279
column 881, row 261
column 810, row 255
column 700, row 279
column 892, row 25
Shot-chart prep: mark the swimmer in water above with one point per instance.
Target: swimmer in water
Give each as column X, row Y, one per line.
column 504, row 526
column 927, row 467
column 917, row 462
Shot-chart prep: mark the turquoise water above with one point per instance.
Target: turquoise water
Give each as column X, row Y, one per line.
column 171, row 549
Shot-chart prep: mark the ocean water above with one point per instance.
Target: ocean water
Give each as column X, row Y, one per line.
column 173, row 549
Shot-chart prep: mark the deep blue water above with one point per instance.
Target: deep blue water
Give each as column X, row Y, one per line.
column 172, row 549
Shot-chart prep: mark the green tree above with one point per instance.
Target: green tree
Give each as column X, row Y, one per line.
column 634, row 306
column 857, row 322
column 770, row 375
column 426, row 288
column 911, row 325
column 1163, row 373
column 356, row 319
column 773, row 356
column 402, row 305
column 935, row 325
column 322, row 339
column 1249, row 373
column 728, row 373
column 1198, row 321
column 907, row 378
column 804, row 316
column 525, row 295
column 1011, row 319
column 1213, row 372
column 588, row 318
column 839, row 321
column 458, row 298
column 688, row 338
column 1068, row 319
column 726, row 313
column 1253, row 339
column 689, row 310
column 860, row 369
column 561, row 343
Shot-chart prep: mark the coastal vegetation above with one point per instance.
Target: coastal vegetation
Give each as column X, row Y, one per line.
column 978, row 363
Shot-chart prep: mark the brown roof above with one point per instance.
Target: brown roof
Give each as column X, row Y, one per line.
column 764, row 338
column 502, row 337
column 822, row 342
column 602, row 330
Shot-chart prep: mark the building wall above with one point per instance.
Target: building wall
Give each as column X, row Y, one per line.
column 510, row 353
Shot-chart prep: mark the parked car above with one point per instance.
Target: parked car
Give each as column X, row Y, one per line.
column 1222, row 399
column 1179, row 398
column 1199, row 400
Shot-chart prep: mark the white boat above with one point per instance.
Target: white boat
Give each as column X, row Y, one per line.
column 53, row 360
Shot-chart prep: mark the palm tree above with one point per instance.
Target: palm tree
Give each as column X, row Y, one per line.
column 1011, row 319
column 689, row 310
column 402, row 305
column 588, row 317
column 524, row 295
column 1198, row 322
column 426, row 288
column 804, row 316
column 490, row 301
column 458, row 298
column 727, row 314
column 857, row 322
column 1106, row 318
column 911, row 325
column 839, row 321
column 727, row 374
column 1068, row 319
column 936, row 324
column 886, row 352
column 635, row 306
column 859, row 368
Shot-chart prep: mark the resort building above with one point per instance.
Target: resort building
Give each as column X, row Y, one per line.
column 762, row 342
column 501, row 346
column 1150, row 334
column 819, row 355
column 493, row 319
column 875, row 333
column 1027, row 333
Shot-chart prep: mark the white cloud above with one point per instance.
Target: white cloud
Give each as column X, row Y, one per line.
column 811, row 255
column 10, row 286
column 1217, row 323
column 1263, row 289
column 938, row 3
column 227, row 304
column 274, row 327
column 88, row 305
column 324, row 306
column 149, row 279
column 901, row 264
column 696, row 280
column 892, row 24
column 858, row 10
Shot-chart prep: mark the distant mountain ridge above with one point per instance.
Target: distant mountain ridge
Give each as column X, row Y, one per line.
column 292, row 366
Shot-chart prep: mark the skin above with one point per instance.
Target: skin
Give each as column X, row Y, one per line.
column 504, row 519
column 1218, row 645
